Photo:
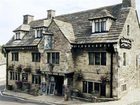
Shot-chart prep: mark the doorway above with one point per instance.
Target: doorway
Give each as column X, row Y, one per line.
column 59, row 85
column 103, row 89
column 51, row 86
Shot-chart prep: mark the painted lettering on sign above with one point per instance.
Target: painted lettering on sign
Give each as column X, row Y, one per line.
column 125, row 43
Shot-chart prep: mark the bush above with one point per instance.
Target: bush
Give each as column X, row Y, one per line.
column 19, row 84
column 9, row 87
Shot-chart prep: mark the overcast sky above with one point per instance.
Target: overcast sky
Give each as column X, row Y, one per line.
column 12, row 11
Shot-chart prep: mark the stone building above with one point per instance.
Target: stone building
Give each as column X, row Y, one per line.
column 2, row 58
column 94, row 52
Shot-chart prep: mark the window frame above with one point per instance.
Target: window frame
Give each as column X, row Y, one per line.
column 14, row 75
column 17, row 36
column 15, row 56
column 55, row 55
column 36, row 79
column 26, row 78
column 100, row 25
column 38, row 33
column 48, row 42
column 87, row 88
column 36, row 56
column 124, row 87
column 99, row 58
column 128, row 30
column 124, row 58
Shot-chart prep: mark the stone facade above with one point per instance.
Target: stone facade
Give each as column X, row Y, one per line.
column 2, row 58
column 99, row 61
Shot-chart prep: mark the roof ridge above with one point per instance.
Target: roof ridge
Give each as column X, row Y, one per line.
column 89, row 10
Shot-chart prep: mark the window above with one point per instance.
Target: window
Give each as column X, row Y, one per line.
column 97, row 58
column 17, row 36
column 124, row 59
column 14, row 76
column 128, row 30
column 89, row 87
column 38, row 33
column 15, row 56
column 48, row 42
column 36, row 57
column 24, row 77
column 97, row 87
column 100, row 26
column 53, row 58
column 124, row 87
column 36, row 79
column 97, row 26
column 103, row 26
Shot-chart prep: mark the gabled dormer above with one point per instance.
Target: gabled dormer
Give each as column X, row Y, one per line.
column 24, row 28
column 102, row 21
column 39, row 31
column 21, row 31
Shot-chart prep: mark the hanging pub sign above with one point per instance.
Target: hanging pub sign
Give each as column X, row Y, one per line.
column 125, row 43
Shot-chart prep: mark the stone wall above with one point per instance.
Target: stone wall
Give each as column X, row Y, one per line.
column 25, row 59
column 59, row 44
column 90, row 71
column 128, row 74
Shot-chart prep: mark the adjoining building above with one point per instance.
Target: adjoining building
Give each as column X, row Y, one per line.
column 93, row 52
column 2, row 58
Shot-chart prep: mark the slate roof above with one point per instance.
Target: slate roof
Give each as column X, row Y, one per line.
column 82, row 26
column 102, row 14
column 66, row 29
column 23, row 27
column 77, row 28
column 29, row 38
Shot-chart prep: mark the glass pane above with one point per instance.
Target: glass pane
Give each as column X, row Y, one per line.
column 96, row 26
column 84, row 86
column 53, row 58
column 103, row 26
column 48, row 58
column 97, row 58
column 96, row 87
column 57, row 58
column 124, row 59
column 103, row 58
column 90, row 87
column 91, row 58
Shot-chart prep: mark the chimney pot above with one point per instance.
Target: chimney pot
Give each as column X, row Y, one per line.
column 51, row 14
column 27, row 19
column 129, row 3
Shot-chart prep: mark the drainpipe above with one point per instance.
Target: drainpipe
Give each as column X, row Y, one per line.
column 111, row 73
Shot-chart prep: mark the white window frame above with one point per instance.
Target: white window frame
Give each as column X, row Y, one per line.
column 38, row 33
column 17, row 36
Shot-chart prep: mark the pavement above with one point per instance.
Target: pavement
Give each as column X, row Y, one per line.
column 48, row 99
column 132, row 98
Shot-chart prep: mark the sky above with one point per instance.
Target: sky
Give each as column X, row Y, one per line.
column 12, row 11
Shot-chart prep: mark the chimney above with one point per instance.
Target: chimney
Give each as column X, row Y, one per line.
column 51, row 14
column 129, row 3
column 27, row 19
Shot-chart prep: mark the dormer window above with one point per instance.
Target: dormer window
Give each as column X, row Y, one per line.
column 38, row 33
column 102, row 21
column 17, row 36
column 100, row 26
